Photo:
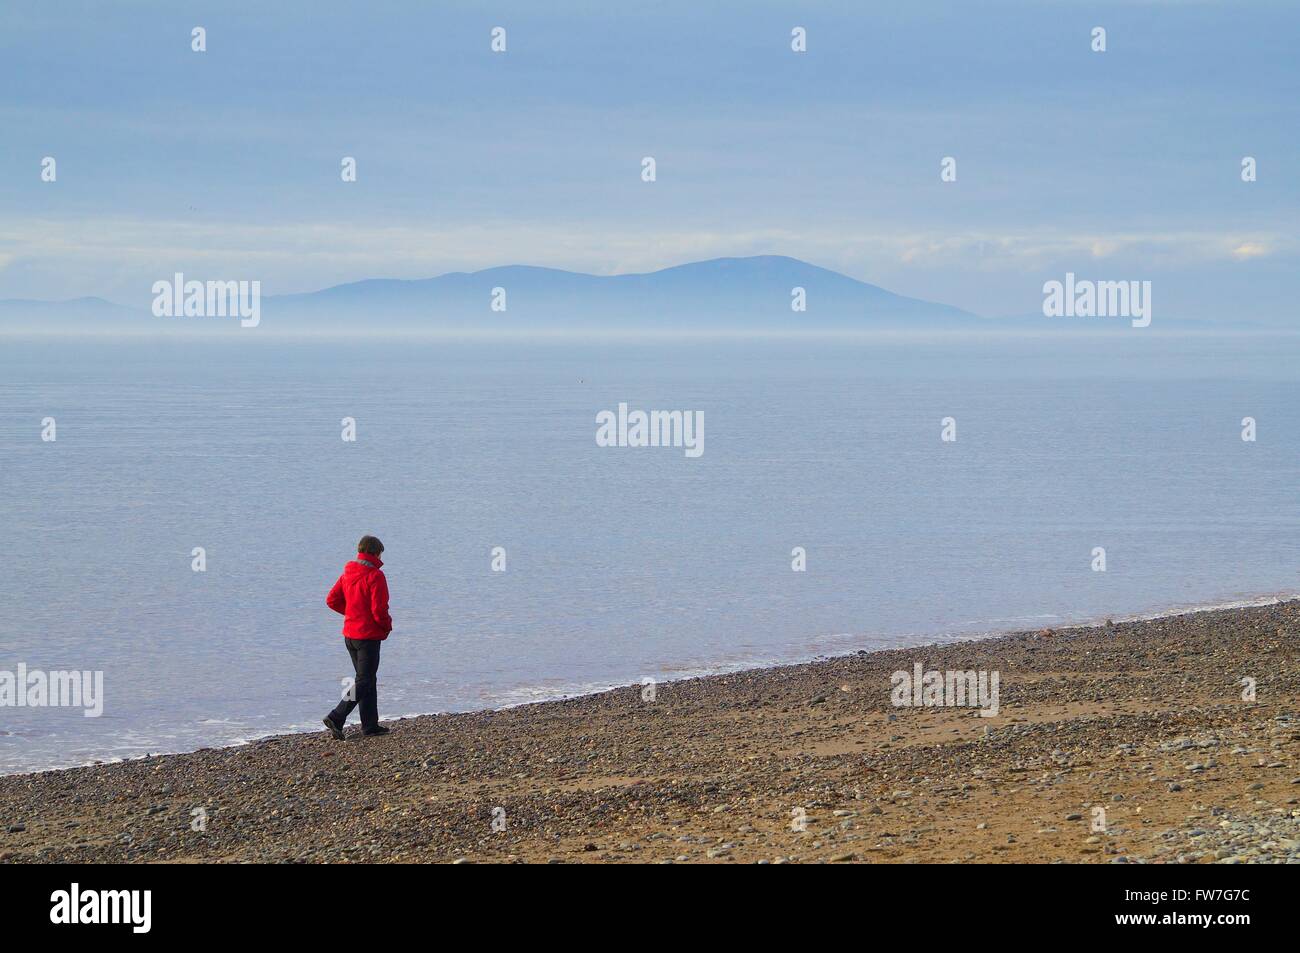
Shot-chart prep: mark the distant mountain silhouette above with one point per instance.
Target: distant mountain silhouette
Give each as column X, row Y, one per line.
column 731, row 293
column 78, row 313
column 722, row 293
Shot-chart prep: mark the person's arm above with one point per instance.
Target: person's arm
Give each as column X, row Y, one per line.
column 379, row 602
column 336, row 600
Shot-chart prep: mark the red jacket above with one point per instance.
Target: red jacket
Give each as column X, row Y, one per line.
column 361, row 597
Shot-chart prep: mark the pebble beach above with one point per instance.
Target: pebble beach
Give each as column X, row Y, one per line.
column 1170, row 740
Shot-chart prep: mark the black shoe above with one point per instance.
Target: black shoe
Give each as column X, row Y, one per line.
column 333, row 727
column 377, row 730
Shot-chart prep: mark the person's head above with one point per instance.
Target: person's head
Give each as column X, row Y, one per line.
column 370, row 545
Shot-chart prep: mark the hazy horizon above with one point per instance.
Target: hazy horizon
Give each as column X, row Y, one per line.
column 755, row 294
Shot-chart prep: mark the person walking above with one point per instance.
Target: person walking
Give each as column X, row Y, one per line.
column 361, row 597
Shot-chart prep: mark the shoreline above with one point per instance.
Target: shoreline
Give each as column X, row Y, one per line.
column 1142, row 719
column 749, row 665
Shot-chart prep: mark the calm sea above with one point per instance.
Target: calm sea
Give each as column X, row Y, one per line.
column 620, row 563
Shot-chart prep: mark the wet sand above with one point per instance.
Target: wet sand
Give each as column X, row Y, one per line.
column 1118, row 743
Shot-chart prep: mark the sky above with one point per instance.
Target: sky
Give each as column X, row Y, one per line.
column 225, row 164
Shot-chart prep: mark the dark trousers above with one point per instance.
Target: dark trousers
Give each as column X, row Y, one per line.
column 365, row 662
